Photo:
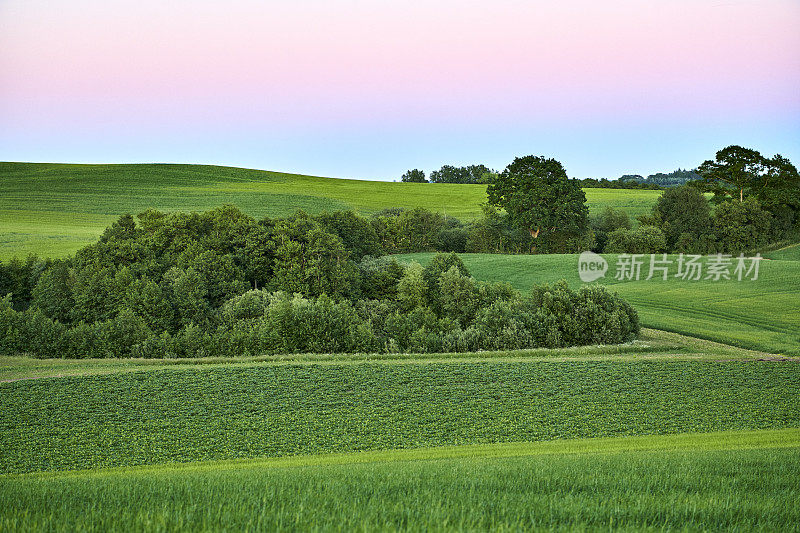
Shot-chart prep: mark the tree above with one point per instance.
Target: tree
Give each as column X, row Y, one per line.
column 53, row 292
column 741, row 226
column 468, row 174
column 780, row 195
column 539, row 197
column 735, row 172
column 412, row 289
column 357, row 234
column 682, row 210
column 414, row 176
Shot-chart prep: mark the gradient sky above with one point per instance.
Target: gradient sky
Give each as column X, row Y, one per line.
column 369, row 89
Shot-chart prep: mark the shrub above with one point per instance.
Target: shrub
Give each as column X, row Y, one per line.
column 642, row 240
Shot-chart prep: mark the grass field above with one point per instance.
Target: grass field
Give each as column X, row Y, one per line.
column 763, row 314
column 54, row 209
column 738, row 481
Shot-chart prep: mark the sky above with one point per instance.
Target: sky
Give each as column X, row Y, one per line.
column 369, row 89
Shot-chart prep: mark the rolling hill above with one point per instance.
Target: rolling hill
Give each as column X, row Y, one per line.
column 54, row 209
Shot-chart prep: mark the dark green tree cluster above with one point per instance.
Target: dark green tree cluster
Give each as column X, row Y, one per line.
column 414, row 176
column 755, row 204
column 661, row 180
column 185, row 286
column 467, row 174
column 625, row 182
column 451, row 174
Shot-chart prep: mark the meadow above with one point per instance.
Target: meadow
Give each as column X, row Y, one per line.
column 762, row 314
column 54, row 209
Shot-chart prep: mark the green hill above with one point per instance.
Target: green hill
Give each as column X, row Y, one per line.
column 54, row 209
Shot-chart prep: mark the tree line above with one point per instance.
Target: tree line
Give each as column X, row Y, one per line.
column 223, row 284
column 754, row 202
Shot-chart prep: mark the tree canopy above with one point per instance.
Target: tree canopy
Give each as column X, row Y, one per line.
column 539, row 197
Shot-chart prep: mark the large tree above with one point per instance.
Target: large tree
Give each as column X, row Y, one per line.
column 539, row 197
column 736, row 172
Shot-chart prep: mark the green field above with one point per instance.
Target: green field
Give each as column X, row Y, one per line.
column 54, row 209
column 762, row 314
column 738, row 481
column 695, row 426
column 667, row 432
column 255, row 408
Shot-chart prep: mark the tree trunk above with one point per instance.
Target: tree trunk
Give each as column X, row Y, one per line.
column 535, row 235
column 741, row 195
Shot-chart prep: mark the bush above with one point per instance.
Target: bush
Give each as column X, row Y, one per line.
column 606, row 222
column 642, row 240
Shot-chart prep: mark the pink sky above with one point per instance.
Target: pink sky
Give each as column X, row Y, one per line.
column 281, row 84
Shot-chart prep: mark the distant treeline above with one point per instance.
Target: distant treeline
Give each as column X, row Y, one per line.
column 477, row 174
column 224, row 284
column 673, row 179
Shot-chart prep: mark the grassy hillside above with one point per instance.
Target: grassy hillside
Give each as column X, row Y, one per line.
column 763, row 314
column 733, row 481
column 54, row 209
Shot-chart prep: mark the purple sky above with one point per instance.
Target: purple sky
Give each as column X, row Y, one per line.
column 370, row 89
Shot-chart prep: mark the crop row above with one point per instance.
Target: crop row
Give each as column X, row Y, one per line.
column 222, row 413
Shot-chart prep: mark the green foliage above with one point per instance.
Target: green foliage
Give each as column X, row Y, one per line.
column 284, row 409
column 310, row 260
column 358, row 235
column 379, row 277
column 682, row 210
column 468, row 174
column 642, row 240
column 540, row 198
column 736, row 172
column 607, row 221
column 412, row 291
column 740, row 226
column 414, row 176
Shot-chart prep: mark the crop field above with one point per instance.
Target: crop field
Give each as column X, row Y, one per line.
column 653, row 434
column 730, row 481
column 288, row 409
column 670, row 429
column 762, row 314
column 54, row 209
column 694, row 426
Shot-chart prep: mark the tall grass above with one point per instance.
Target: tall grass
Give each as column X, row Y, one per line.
column 752, row 488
